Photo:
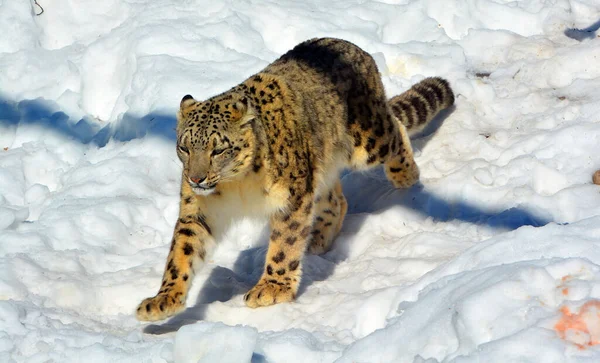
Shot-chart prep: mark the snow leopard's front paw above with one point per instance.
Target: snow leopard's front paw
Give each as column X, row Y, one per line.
column 161, row 306
column 270, row 291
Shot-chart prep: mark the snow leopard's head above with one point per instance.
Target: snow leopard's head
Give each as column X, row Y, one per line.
column 215, row 140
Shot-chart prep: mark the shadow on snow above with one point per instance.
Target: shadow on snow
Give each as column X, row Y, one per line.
column 581, row 34
column 87, row 130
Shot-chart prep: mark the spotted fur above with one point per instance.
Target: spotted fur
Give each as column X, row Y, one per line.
column 273, row 146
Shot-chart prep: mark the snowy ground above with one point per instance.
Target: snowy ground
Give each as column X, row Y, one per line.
column 494, row 258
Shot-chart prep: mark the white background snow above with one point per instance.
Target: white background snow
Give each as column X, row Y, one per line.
column 480, row 263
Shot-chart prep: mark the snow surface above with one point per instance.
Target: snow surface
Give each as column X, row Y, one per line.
column 494, row 258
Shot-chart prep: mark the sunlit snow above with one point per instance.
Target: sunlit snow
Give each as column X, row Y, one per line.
column 495, row 257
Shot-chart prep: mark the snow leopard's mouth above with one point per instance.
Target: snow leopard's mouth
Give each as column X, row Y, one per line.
column 203, row 186
column 203, row 190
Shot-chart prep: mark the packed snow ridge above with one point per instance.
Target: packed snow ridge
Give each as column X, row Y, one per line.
column 495, row 257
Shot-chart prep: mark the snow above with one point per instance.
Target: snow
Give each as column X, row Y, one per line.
column 494, row 257
column 218, row 342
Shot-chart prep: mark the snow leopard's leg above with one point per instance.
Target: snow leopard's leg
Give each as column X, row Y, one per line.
column 401, row 169
column 290, row 232
column 191, row 236
column 330, row 210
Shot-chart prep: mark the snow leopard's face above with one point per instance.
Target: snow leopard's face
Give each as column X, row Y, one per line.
column 215, row 141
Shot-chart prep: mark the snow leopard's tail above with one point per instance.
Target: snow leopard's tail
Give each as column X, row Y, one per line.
column 419, row 105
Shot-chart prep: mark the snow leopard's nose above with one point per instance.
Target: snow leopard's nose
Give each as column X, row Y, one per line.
column 197, row 180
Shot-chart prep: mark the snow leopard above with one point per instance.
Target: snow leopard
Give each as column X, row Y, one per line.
column 274, row 146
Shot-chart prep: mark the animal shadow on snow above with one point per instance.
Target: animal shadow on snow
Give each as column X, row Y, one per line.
column 87, row 130
column 581, row 34
column 367, row 192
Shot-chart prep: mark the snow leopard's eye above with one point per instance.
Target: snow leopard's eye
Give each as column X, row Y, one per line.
column 218, row 152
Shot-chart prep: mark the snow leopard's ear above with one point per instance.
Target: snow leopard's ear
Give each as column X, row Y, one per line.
column 184, row 107
column 243, row 112
column 186, row 101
